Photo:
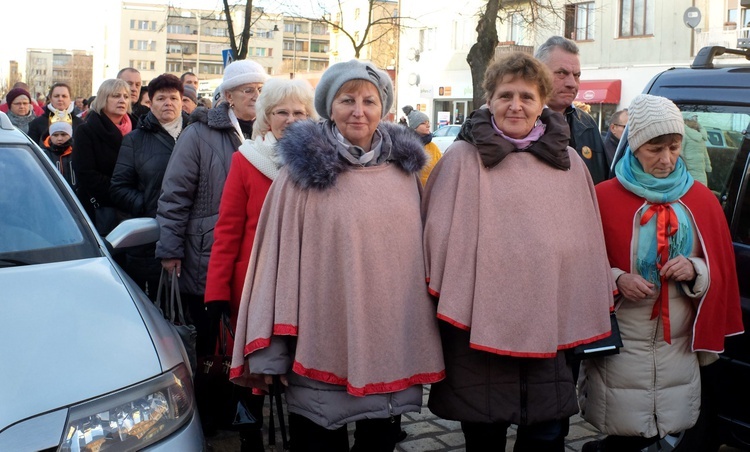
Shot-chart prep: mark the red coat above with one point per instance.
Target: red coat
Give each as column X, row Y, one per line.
column 719, row 313
column 241, row 202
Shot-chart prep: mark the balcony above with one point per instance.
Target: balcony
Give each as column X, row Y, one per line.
column 728, row 37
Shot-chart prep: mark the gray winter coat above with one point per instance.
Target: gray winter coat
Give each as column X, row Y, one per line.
column 191, row 192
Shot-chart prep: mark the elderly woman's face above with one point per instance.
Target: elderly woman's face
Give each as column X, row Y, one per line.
column 357, row 113
column 243, row 99
column 166, row 105
column 284, row 114
column 659, row 160
column 516, row 105
column 20, row 105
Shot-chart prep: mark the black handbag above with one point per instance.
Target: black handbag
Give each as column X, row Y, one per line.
column 168, row 300
column 217, row 397
column 609, row 345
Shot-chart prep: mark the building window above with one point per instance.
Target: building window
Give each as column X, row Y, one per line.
column 517, row 32
column 288, row 45
column 260, row 51
column 318, row 46
column 143, row 45
column 143, row 65
column 142, row 25
column 637, row 18
column 579, row 21
column 174, row 67
column 319, row 29
column 212, row 69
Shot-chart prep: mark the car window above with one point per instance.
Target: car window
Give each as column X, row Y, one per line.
column 722, row 129
column 37, row 224
column 441, row 132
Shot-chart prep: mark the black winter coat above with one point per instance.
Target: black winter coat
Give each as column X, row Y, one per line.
column 95, row 148
column 488, row 388
column 586, row 139
column 39, row 128
column 141, row 163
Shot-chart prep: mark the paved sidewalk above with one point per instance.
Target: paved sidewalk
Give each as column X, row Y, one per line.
column 426, row 433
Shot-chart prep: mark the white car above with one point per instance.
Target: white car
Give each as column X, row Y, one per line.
column 88, row 362
column 444, row 136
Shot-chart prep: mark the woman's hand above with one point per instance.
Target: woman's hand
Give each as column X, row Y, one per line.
column 634, row 287
column 680, row 269
column 169, row 264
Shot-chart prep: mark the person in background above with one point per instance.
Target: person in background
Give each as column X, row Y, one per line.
column 97, row 145
column 20, row 113
column 420, row 123
column 695, row 150
column 188, row 207
column 78, row 106
column 60, row 108
column 614, row 133
column 253, row 168
column 189, row 78
column 560, row 55
column 204, row 102
column 59, row 148
column 133, row 78
column 139, row 171
column 189, row 99
column 671, row 255
column 38, row 111
column 346, row 203
column 515, row 256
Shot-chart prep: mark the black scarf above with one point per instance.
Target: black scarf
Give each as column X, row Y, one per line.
column 58, row 149
column 551, row 148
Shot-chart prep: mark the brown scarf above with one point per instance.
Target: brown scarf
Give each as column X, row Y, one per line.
column 551, row 148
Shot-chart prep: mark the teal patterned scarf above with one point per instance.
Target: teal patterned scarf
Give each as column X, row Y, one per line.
column 662, row 196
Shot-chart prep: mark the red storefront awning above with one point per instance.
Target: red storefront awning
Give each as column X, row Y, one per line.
column 599, row 91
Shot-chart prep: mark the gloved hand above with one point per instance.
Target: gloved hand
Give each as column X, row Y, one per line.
column 215, row 309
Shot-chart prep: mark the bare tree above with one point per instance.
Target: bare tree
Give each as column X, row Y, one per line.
column 536, row 13
column 240, row 43
column 381, row 24
column 81, row 69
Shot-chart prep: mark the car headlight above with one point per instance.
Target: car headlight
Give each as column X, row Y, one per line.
column 133, row 418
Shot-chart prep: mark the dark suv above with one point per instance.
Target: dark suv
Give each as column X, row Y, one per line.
column 718, row 97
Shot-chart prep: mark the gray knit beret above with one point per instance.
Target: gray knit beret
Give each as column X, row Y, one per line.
column 414, row 117
column 335, row 76
column 652, row 116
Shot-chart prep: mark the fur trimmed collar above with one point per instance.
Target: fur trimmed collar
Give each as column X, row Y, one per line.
column 313, row 160
column 215, row 118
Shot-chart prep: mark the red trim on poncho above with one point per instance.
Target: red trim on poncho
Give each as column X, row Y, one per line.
column 719, row 313
column 372, row 388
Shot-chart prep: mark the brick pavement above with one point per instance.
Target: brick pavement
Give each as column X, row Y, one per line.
column 427, row 433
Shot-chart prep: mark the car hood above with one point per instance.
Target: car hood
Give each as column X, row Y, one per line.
column 69, row 331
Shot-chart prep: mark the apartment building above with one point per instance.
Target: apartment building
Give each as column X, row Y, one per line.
column 306, row 47
column 623, row 44
column 45, row 67
column 157, row 38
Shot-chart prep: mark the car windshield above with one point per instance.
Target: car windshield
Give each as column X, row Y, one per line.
column 38, row 223
column 722, row 129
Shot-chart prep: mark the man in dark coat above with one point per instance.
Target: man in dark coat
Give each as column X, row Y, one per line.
column 612, row 139
column 560, row 55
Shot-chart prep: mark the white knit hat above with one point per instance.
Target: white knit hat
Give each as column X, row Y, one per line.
column 652, row 116
column 242, row 72
column 61, row 126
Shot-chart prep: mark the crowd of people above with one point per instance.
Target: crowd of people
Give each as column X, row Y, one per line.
column 355, row 263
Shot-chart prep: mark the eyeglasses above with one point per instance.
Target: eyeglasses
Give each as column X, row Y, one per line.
column 563, row 74
column 251, row 90
column 285, row 114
